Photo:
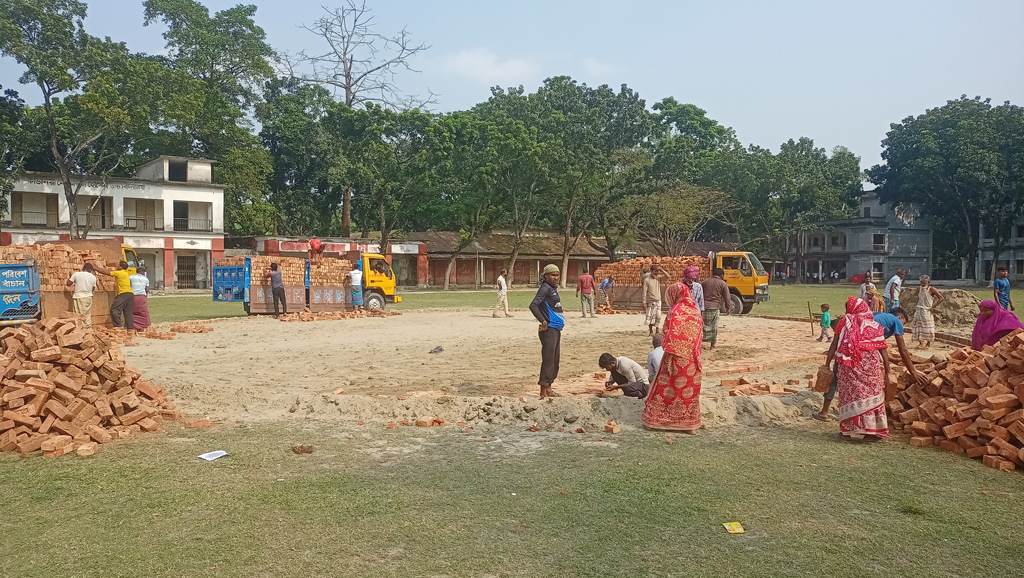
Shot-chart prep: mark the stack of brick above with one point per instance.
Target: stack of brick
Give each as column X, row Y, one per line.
column 629, row 273
column 57, row 263
column 306, row 315
column 293, row 269
column 191, row 327
column 329, row 272
column 66, row 387
column 972, row 403
column 118, row 335
column 605, row 309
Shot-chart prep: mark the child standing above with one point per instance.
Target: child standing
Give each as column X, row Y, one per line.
column 826, row 323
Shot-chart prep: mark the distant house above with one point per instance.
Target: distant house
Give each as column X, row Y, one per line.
column 1011, row 256
column 172, row 214
column 880, row 240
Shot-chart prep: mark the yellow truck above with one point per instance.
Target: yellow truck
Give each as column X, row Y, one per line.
column 746, row 277
column 378, row 281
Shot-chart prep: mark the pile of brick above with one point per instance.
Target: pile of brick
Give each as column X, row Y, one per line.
column 747, row 387
column 152, row 332
column 66, row 388
column 293, row 269
column 329, row 272
column 306, row 315
column 972, row 403
column 191, row 327
column 628, row 273
column 118, row 335
column 57, row 263
column 605, row 309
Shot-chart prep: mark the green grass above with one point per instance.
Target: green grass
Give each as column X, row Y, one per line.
column 789, row 301
column 410, row 502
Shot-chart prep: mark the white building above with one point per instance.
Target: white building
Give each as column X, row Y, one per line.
column 172, row 214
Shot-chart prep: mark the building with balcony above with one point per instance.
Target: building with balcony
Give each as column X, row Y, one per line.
column 1011, row 255
column 880, row 240
column 172, row 214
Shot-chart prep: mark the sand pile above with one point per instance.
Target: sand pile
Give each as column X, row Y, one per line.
column 958, row 309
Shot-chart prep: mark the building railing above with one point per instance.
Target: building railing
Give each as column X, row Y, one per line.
column 96, row 222
column 144, row 223
column 31, row 219
column 201, row 225
column 878, row 247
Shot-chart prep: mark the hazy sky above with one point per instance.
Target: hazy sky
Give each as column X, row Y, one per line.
column 838, row 72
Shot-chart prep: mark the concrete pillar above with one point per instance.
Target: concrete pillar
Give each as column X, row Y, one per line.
column 422, row 266
column 168, row 262
column 272, row 247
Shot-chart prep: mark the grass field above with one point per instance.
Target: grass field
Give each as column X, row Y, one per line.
column 413, row 502
column 789, row 301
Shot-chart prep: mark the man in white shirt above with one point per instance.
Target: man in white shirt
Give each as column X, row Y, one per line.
column 865, row 285
column 654, row 358
column 892, row 290
column 502, row 304
column 84, row 282
column 626, row 375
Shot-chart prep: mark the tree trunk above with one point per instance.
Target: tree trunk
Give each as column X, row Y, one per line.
column 346, row 214
column 512, row 264
column 448, row 269
column 566, row 234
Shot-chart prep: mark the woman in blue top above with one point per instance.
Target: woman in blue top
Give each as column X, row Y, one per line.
column 140, row 295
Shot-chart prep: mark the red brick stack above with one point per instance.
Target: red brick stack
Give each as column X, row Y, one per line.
column 57, row 263
column 190, row 327
column 972, row 403
column 306, row 315
column 66, row 388
column 628, row 273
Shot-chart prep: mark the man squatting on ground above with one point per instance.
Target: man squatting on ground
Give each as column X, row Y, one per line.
column 547, row 308
column 626, row 375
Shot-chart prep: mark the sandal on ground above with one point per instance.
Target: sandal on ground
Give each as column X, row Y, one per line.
column 840, row 437
column 817, row 415
column 872, row 439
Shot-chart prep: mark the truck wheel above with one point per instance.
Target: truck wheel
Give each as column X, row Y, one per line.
column 736, row 304
column 245, row 305
column 747, row 307
column 374, row 300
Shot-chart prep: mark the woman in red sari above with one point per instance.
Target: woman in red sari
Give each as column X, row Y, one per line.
column 674, row 400
column 861, row 382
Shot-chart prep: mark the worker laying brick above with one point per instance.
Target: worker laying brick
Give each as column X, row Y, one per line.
column 626, row 375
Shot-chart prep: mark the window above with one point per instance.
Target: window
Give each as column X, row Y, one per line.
column 814, row 242
column 381, row 266
column 730, row 263
column 177, row 171
column 867, row 211
column 878, row 242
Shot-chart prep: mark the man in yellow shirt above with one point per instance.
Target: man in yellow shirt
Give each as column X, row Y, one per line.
column 124, row 304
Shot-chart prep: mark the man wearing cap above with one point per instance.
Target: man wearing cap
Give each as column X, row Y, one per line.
column 547, row 308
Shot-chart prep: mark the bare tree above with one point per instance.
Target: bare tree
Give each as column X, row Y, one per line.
column 361, row 62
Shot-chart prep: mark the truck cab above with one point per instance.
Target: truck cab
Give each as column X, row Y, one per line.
column 747, row 278
column 378, row 281
column 129, row 256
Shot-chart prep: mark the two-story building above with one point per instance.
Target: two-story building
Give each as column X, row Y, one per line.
column 1011, row 256
column 172, row 214
column 881, row 240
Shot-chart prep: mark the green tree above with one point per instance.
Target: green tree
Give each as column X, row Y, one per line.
column 944, row 162
column 100, row 102
column 228, row 53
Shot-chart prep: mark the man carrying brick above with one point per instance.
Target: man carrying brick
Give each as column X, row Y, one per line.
column 84, row 282
column 277, row 289
column 547, row 308
column 124, row 304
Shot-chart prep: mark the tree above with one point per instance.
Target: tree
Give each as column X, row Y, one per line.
column 520, row 173
column 99, row 101
column 671, row 218
column 941, row 161
column 390, row 163
column 229, row 55
column 362, row 64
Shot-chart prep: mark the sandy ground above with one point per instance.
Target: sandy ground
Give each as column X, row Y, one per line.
column 260, row 368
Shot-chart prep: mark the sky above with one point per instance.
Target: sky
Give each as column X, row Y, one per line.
column 837, row 72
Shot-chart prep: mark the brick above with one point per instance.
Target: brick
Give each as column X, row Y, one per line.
column 32, row 444
column 134, row 416
column 147, row 424
column 103, row 408
column 424, row 422
column 40, row 384
column 54, row 442
column 921, row 441
column 967, row 442
column 1011, row 417
column 87, row 449
column 76, row 406
column 1007, row 400
column 145, row 389
column 8, row 441
column 22, row 393
column 84, row 415
column 6, row 425
column 170, row 414
column 981, row 451
column 26, row 374
column 198, row 423
column 999, row 463
column 58, row 410
column 99, row 434
column 951, row 447
column 62, row 381
column 46, row 354
column 19, row 418
column 612, row 429
column 47, row 424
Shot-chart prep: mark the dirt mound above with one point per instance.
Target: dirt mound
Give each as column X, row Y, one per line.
column 958, row 309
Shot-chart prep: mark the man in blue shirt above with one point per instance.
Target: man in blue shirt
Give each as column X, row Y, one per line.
column 606, row 289
column 1001, row 289
column 547, row 308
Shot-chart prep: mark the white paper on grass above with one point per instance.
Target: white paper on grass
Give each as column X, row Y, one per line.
column 210, row 456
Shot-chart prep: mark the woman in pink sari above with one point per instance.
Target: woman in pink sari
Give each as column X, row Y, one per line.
column 861, row 382
column 994, row 323
column 674, row 401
